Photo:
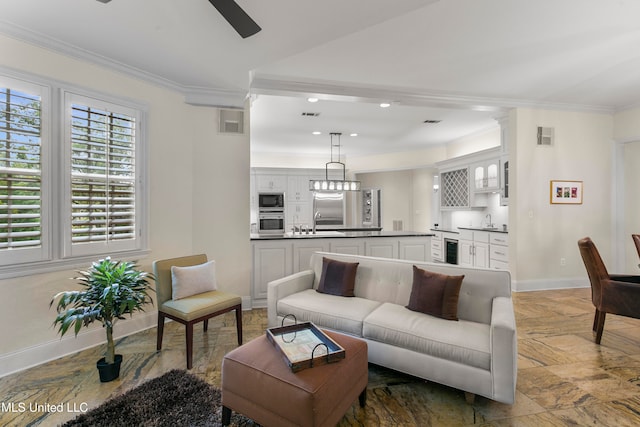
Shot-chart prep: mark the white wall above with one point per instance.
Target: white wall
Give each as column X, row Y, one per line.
column 542, row 233
column 473, row 143
column 188, row 163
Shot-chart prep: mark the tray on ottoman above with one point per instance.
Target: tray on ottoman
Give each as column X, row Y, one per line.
column 304, row 346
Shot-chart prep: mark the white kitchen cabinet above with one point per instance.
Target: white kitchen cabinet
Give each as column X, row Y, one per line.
column 414, row 250
column 298, row 188
column 271, row 182
column 454, row 188
column 485, row 176
column 382, row 247
column 298, row 213
column 277, row 258
column 437, row 252
column 473, row 249
column 498, row 251
column 504, row 181
column 304, row 248
column 347, row 246
column 270, row 262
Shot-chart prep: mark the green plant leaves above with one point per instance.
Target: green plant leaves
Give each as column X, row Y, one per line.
column 112, row 289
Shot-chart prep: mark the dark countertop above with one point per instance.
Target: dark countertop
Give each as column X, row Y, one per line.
column 445, row 230
column 492, row 230
column 340, row 234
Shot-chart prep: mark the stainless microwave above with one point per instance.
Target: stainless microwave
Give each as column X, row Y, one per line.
column 270, row 201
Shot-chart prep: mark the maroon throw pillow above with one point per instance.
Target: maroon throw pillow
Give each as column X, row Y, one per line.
column 435, row 294
column 337, row 278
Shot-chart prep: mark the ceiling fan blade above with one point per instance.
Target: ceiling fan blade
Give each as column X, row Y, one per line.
column 238, row 18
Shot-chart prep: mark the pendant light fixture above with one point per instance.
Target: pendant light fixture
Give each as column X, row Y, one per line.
column 334, row 184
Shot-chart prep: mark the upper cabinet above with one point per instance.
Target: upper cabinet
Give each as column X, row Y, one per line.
column 486, row 175
column 504, row 180
column 298, row 188
column 454, row 188
column 271, row 182
column 466, row 181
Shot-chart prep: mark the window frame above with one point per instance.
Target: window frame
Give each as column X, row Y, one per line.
column 56, row 252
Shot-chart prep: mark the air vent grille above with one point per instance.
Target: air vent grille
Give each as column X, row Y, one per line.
column 307, row 114
column 545, row 136
column 231, row 121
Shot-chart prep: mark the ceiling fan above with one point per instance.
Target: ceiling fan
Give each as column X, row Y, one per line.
column 233, row 13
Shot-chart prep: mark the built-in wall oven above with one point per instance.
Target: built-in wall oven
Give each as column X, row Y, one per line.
column 271, row 213
column 271, row 222
column 451, row 251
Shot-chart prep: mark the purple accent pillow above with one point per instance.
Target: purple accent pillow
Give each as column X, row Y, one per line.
column 337, row 278
column 435, row 294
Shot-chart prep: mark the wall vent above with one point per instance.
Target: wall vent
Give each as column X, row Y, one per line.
column 545, row 136
column 231, row 121
column 307, row 114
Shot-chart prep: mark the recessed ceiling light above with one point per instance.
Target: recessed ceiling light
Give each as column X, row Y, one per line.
column 312, row 99
column 385, row 104
column 317, row 132
column 353, row 134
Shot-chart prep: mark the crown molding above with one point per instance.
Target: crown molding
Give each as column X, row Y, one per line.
column 334, row 91
column 193, row 95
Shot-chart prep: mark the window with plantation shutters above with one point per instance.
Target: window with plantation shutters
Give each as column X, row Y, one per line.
column 22, row 224
column 20, row 176
column 103, row 177
column 72, row 176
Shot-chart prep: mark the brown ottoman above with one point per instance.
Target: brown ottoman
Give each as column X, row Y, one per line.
column 257, row 383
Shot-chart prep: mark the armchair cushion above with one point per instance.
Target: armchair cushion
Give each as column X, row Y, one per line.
column 435, row 294
column 193, row 280
column 338, row 278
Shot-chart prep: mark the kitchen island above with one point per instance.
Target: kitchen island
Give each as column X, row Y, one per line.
column 279, row 255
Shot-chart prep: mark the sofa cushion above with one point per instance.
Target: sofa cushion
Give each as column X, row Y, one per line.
column 463, row 342
column 327, row 311
column 338, row 277
column 435, row 294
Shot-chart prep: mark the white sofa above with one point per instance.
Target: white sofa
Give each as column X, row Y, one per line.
column 476, row 354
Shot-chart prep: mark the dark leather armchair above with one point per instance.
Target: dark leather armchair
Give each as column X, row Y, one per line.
column 636, row 240
column 610, row 293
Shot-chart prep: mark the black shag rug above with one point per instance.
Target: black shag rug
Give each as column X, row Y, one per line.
column 176, row 398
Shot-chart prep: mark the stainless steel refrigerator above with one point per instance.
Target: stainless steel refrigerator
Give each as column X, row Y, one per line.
column 329, row 210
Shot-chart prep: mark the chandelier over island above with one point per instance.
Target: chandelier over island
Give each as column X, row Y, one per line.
column 334, row 184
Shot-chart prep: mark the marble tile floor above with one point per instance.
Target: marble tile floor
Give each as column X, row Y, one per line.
column 564, row 378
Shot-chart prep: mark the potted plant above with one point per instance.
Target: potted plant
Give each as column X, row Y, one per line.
column 111, row 290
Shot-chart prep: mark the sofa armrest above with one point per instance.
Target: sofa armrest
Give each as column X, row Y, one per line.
column 280, row 288
column 504, row 349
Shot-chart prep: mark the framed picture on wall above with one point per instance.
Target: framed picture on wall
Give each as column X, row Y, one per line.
column 566, row 192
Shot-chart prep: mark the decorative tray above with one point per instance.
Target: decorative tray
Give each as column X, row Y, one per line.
column 304, row 346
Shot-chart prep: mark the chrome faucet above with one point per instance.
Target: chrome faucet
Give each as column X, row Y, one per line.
column 315, row 220
column 489, row 224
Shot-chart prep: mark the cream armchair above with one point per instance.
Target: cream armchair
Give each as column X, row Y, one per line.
column 191, row 309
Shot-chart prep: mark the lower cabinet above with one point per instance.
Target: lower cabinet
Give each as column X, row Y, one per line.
column 498, row 251
column 382, row 247
column 473, row 249
column 277, row 258
column 270, row 262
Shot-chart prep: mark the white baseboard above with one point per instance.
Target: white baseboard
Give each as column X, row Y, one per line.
column 548, row 284
column 69, row 344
